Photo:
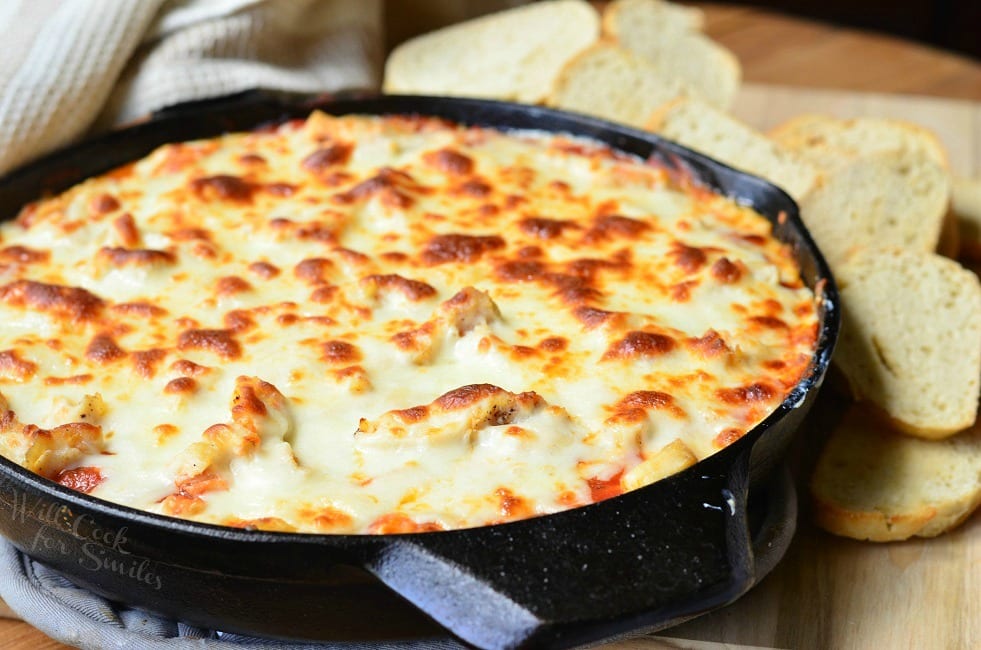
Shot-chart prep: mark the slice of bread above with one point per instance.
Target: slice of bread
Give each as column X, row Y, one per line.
column 830, row 142
column 872, row 483
column 611, row 82
column 910, row 340
column 883, row 199
column 651, row 17
column 512, row 54
column 704, row 128
column 665, row 35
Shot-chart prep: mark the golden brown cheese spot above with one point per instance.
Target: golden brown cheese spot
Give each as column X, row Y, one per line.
column 750, row 394
column 223, row 187
column 588, row 268
column 520, row 271
column 238, row 321
column 274, row 524
column 412, row 414
column 473, row 188
column 512, row 507
column 725, row 271
column 339, row 352
column 231, row 285
column 591, row 317
column 354, row 377
column 634, row 406
column 326, row 157
column 709, row 345
column 553, row 344
column 327, row 519
column 180, row 505
column 449, row 161
column 396, row 522
column 768, row 322
column 14, row 368
column 728, row 436
column 80, row 479
column 102, row 204
column 388, row 185
column 640, row 345
column 103, row 349
column 411, row 289
column 264, row 270
column 123, row 257
column 189, row 368
column 23, row 255
column 164, row 432
column 415, row 340
column 313, row 270
column 530, row 252
column 681, row 292
column 142, row 309
column 146, row 362
column 252, row 160
column 76, row 380
column 688, row 258
column 614, row 226
column 126, row 230
column 221, row 342
column 466, row 396
column 571, row 289
column 324, row 295
column 281, row 190
column 181, row 386
column 190, row 234
column 443, row 249
column 542, row 228
column 71, row 303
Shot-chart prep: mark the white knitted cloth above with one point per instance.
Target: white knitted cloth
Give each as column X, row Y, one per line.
column 71, row 65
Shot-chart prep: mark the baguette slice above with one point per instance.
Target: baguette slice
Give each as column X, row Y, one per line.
column 512, row 54
column 910, row 341
column 882, row 199
column 830, row 142
column 700, row 126
column 662, row 35
column 651, row 17
column 872, row 483
column 613, row 83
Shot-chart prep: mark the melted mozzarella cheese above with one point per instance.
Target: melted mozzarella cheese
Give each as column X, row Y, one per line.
column 365, row 324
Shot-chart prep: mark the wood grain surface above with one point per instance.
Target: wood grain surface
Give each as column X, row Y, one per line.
column 828, row 592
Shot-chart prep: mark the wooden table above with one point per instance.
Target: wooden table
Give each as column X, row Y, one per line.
column 829, row 592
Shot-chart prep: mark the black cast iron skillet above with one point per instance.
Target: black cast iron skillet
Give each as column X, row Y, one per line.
column 644, row 560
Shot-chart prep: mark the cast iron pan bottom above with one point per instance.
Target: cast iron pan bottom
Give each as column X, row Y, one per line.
column 772, row 521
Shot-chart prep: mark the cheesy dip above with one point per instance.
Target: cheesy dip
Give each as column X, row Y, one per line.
column 387, row 324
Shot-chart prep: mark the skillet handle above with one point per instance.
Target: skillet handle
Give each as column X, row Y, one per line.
column 642, row 561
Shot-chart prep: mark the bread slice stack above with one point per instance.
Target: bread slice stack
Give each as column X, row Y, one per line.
column 640, row 54
column 906, row 460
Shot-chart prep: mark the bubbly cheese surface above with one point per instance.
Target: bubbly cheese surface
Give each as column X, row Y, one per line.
column 377, row 325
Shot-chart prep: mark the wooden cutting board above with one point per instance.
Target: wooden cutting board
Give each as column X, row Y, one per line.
column 828, row 592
